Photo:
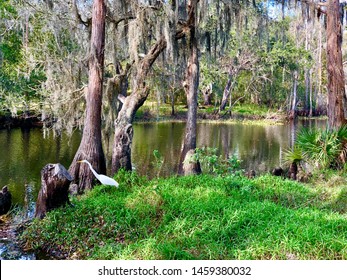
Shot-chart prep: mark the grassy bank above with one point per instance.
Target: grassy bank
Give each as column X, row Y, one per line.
column 201, row 217
column 240, row 112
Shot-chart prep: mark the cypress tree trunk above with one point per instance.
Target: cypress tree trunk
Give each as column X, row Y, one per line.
column 191, row 85
column 307, row 70
column 336, row 79
column 307, row 91
column 121, row 155
column 319, row 75
column 311, row 95
column 123, row 135
column 293, row 113
column 91, row 145
column 227, row 90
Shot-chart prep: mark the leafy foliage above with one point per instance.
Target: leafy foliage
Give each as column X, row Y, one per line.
column 212, row 163
column 52, row 66
column 19, row 81
column 294, row 155
column 322, row 148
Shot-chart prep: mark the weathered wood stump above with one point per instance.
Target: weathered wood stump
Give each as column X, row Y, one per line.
column 5, row 200
column 54, row 192
column 293, row 171
column 277, row 171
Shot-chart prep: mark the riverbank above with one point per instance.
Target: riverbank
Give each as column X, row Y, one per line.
column 10, row 226
column 31, row 121
column 200, row 217
column 150, row 113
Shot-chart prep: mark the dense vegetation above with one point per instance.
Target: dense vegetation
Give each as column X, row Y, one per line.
column 261, row 49
column 200, row 217
column 97, row 65
column 93, row 64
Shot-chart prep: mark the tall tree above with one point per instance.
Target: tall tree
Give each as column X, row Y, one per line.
column 91, row 145
column 123, row 135
column 191, row 86
column 336, row 78
column 121, row 155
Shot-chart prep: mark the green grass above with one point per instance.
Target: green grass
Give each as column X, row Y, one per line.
column 150, row 112
column 251, row 109
column 201, row 217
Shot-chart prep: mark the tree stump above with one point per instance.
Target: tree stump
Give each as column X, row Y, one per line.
column 293, row 171
column 5, row 200
column 277, row 171
column 54, row 192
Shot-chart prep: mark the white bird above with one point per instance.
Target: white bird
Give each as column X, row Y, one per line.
column 102, row 178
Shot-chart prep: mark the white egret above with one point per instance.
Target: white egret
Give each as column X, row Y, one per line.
column 102, row 178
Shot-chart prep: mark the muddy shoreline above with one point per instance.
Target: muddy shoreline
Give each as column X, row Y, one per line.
column 10, row 247
column 25, row 122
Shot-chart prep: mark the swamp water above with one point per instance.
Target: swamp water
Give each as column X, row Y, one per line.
column 24, row 153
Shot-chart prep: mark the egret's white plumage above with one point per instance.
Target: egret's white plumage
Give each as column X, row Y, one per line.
column 102, row 178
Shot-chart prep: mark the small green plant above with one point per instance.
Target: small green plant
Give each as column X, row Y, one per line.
column 212, row 163
column 234, row 164
column 294, row 155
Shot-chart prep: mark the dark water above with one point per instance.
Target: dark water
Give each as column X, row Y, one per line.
column 24, row 153
column 259, row 147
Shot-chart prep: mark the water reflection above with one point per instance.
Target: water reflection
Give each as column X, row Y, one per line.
column 24, row 153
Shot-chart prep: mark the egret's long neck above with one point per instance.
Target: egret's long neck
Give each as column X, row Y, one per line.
column 91, row 168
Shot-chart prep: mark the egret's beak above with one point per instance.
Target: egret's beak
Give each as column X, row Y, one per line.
column 79, row 161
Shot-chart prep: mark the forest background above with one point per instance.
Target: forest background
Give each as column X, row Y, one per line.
column 277, row 55
column 100, row 65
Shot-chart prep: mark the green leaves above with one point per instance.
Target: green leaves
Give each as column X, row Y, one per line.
column 322, row 148
column 6, row 9
column 286, row 55
column 294, row 155
column 211, row 163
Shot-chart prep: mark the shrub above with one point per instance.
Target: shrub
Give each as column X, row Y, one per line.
column 212, row 163
column 322, row 148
